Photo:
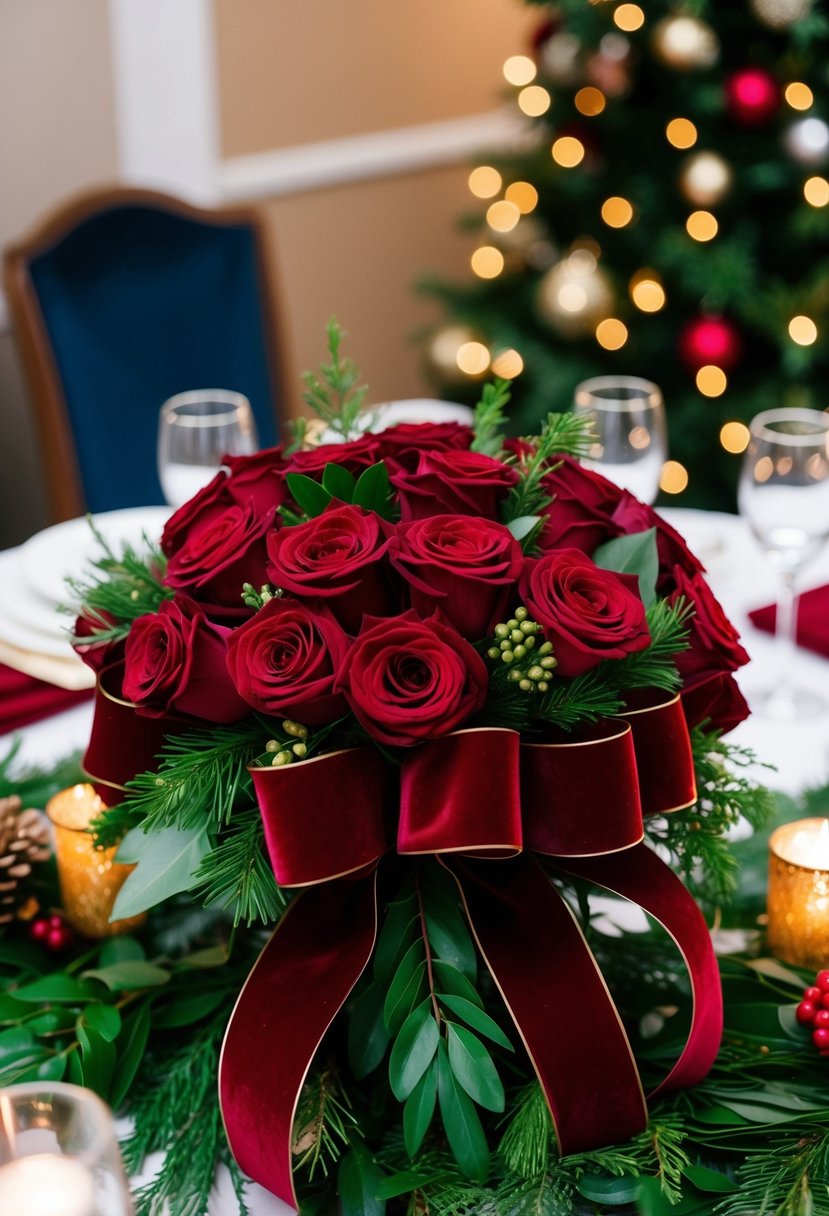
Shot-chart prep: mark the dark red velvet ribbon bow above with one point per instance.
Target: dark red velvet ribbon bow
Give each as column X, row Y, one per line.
column 488, row 806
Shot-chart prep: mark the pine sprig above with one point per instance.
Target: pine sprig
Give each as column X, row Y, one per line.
column 585, row 698
column 789, row 1178
column 236, row 876
column 127, row 586
column 490, row 418
column 335, row 394
column 654, row 667
column 323, row 1125
column 560, row 435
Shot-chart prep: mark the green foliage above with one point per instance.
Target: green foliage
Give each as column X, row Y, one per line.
column 35, row 785
column 335, row 394
column 490, row 418
column 654, row 667
column 370, row 491
column 786, row 1178
column 636, row 554
column 128, row 585
column 559, row 435
column 323, row 1126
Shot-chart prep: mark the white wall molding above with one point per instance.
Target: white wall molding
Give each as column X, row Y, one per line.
column 378, row 154
column 167, row 95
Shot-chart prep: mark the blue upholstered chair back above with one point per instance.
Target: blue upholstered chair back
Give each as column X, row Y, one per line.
column 140, row 303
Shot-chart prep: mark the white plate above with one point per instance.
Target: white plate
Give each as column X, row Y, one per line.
column 64, row 550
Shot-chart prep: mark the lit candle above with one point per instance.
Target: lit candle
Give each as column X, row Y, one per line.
column 46, row 1185
column 798, row 899
column 90, row 878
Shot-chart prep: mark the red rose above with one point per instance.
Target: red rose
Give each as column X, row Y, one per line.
column 89, row 648
column 337, row 557
column 588, row 614
column 408, row 680
column 467, row 567
column 206, row 505
column 259, row 478
column 285, row 659
column 223, row 548
column 715, row 643
column 580, row 515
column 453, row 483
column 402, row 445
column 175, row 659
column 355, row 456
column 631, row 515
column 715, row 700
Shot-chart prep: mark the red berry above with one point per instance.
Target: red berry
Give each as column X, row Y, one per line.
column 822, row 980
column 814, row 994
column 805, row 1012
column 825, row 1053
column 824, row 1000
column 820, row 1038
column 59, row 938
column 56, row 921
column 821, row 1018
column 39, row 928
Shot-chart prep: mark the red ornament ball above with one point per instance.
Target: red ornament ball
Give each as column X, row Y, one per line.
column 752, row 96
column 710, row 340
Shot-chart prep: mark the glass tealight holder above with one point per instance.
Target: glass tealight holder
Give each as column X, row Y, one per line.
column 90, row 878
column 798, row 897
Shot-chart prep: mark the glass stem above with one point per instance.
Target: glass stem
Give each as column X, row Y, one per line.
column 786, row 633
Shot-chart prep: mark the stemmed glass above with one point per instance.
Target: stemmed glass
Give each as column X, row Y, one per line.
column 59, row 1153
column 783, row 494
column 630, row 442
column 195, row 431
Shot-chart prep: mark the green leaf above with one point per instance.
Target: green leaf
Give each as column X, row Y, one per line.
column 419, row 1109
column 338, row 482
column 166, row 867
column 606, row 1188
column 11, row 1010
column 310, row 495
column 477, row 1019
column 652, row 1201
column 461, row 1121
column 413, row 959
column 705, row 1179
column 17, row 1044
column 474, row 1067
column 52, row 1020
column 359, row 1178
column 58, row 988
column 403, row 1183
column 26, row 1070
column 776, row 971
column 372, row 489
column 413, row 1051
column 633, row 554
column 396, row 1010
column 52, row 1068
column 120, row 949
column 204, row 960
column 787, row 1017
column 130, row 1045
column 97, row 1060
column 448, row 933
column 449, row 980
column 523, row 525
column 105, row 1019
column 184, row 1010
column 368, row 1037
column 129, row 976
column 399, row 930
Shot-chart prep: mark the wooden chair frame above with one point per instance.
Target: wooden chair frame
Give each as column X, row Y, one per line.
column 57, row 445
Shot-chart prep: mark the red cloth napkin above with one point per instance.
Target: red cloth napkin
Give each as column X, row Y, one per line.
column 23, row 699
column 812, row 619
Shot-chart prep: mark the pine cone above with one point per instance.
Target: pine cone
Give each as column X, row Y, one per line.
column 24, row 841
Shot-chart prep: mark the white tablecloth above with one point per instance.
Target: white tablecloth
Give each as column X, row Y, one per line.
column 741, row 580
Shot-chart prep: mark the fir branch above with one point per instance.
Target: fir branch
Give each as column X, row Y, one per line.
column 127, row 587
column 654, row 667
column 560, row 435
column 490, row 419
column 529, row 1138
column 323, row 1124
column 585, row 698
column 34, row 785
column 236, row 876
column 335, row 395
column 789, row 1178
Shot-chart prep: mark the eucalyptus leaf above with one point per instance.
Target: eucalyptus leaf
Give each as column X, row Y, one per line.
column 787, row 1017
column 461, row 1121
column 131, row 1045
column 403, row 1183
column 413, row 1050
column 359, row 1179
column 368, row 1037
column 477, row 1019
column 607, row 1188
column 97, row 1060
column 633, row 554
column 184, row 1009
column 309, row 494
column 419, row 1109
column 130, row 975
column 474, row 1067
column 105, row 1019
column 58, row 988
column 121, row 948
column 776, row 971
column 166, row 866
column 523, row 525
column 713, row 1181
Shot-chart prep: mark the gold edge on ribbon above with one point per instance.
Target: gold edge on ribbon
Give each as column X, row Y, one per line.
column 682, row 806
column 301, row 1085
column 515, row 849
column 649, row 709
column 113, row 785
column 317, row 882
column 622, row 848
column 628, row 729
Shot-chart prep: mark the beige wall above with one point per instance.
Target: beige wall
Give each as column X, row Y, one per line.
column 57, row 135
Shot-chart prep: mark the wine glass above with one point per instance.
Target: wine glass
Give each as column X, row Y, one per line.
column 630, row 443
column 783, row 493
column 59, row 1153
column 195, row 431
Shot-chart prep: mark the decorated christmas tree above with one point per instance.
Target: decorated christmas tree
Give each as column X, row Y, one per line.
column 667, row 216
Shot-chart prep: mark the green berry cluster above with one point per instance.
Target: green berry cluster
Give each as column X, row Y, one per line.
column 516, row 645
column 287, row 753
column 258, row 599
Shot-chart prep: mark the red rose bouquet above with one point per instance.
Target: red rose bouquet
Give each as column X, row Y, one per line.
column 413, row 698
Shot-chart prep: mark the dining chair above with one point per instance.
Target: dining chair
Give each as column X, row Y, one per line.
column 120, row 299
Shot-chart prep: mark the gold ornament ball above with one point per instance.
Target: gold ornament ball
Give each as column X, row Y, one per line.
column 683, row 42
column 705, row 179
column 780, row 14
column 574, row 295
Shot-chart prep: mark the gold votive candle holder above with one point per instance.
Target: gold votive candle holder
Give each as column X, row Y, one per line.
column 90, row 878
column 798, row 897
